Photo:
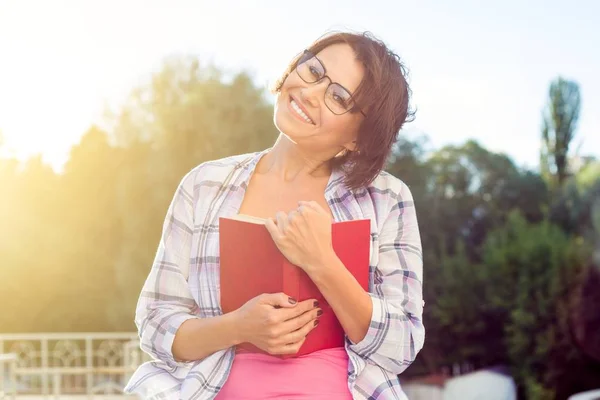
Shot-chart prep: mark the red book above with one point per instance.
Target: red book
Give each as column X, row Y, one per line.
column 251, row 264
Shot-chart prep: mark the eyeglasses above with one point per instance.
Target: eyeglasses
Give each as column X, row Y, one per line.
column 337, row 98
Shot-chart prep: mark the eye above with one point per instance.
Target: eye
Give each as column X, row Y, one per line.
column 314, row 71
column 340, row 97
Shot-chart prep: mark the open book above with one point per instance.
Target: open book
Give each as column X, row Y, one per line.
column 251, row 264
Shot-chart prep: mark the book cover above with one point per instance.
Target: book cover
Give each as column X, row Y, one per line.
column 251, row 264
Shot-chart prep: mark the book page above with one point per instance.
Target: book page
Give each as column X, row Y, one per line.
column 248, row 218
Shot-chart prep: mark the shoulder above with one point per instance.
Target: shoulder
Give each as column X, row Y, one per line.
column 389, row 190
column 394, row 209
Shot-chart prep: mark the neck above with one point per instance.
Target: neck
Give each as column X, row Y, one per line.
column 289, row 161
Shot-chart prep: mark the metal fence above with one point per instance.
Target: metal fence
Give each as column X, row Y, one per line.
column 67, row 363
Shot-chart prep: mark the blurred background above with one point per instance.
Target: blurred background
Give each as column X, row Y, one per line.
column 105, row 105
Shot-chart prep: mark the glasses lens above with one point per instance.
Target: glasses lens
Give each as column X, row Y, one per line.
column 338, row 99
column 310, row 69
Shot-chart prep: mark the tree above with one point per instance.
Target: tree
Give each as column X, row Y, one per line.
column 460, row 313
column 27, row 245
column 469, row 191
column 585, row 320
column 576, row 205
column 191, row 113
column 558, row 128
column 461, row 192
column 408, row 163
column 91, row 233
column 185, row 115
column 535, row 269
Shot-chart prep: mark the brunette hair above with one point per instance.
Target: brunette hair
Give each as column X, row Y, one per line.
column 383, row 95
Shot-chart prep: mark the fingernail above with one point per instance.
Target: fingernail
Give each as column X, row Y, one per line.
column 319, row 313
column 316, row 322
column 292, row 300
column 316, row 304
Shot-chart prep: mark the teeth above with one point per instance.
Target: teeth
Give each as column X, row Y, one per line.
column 301, row 113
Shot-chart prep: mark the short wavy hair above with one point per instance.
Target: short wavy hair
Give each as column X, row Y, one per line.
column 383, row 95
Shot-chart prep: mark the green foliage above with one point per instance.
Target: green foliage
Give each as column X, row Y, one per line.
column 559, row 123
column 462, row 192
column 463, row 314
column 588, row 175
column 75, row 248
column 535, row 269
column 469, row 190
column 576, row 206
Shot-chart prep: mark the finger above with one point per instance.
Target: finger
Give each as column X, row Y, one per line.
column 280, row 300
column 293, row 216
column 296, row 336
column 271, row 226
column 301, row 211
column 300, row 322
column 291, row 348
column 301, row 308
column 282, row 221
column 313, row 205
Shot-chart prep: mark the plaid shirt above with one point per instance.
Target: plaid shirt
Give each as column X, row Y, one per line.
column 190, row 244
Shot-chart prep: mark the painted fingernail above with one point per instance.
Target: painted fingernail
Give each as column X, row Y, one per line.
column 316, row 322
column 316, row 304
column 319, row 313
column 292, row 300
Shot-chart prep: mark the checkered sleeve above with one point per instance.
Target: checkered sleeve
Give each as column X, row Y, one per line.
column 396, row 333
column 166, row 301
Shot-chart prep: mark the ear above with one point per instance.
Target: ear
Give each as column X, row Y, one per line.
column 351, row 146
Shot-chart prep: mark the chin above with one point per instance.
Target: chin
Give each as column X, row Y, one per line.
column 277, row 120
column 281, row 118
column 285, row 130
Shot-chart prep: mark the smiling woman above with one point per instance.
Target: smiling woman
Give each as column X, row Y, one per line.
column 339, row 108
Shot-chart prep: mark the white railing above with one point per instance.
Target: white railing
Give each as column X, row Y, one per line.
column 68, row 363
column 8, row 366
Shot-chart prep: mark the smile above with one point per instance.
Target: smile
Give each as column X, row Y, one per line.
column 298, row 111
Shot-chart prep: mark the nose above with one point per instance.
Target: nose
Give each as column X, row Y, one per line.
column 315, row 92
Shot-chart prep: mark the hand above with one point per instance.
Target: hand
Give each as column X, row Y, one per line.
column 304, row 235
column 276, row 323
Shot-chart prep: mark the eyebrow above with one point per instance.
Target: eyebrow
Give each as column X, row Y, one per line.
column 322, row 64
column 331, row 80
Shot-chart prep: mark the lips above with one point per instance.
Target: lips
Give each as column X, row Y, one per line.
column 300, row 111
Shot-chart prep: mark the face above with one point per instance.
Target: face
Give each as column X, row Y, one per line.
column 306, row 112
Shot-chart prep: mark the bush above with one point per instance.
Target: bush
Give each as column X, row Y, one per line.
column 533, row 271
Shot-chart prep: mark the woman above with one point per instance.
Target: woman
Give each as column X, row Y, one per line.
column 339, row 108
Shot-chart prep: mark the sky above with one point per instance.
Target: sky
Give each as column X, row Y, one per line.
column 476, row 71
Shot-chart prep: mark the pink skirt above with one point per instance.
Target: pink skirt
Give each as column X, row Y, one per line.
column 317, row 376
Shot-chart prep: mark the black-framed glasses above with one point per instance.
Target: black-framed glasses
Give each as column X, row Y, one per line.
column 337, row 98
